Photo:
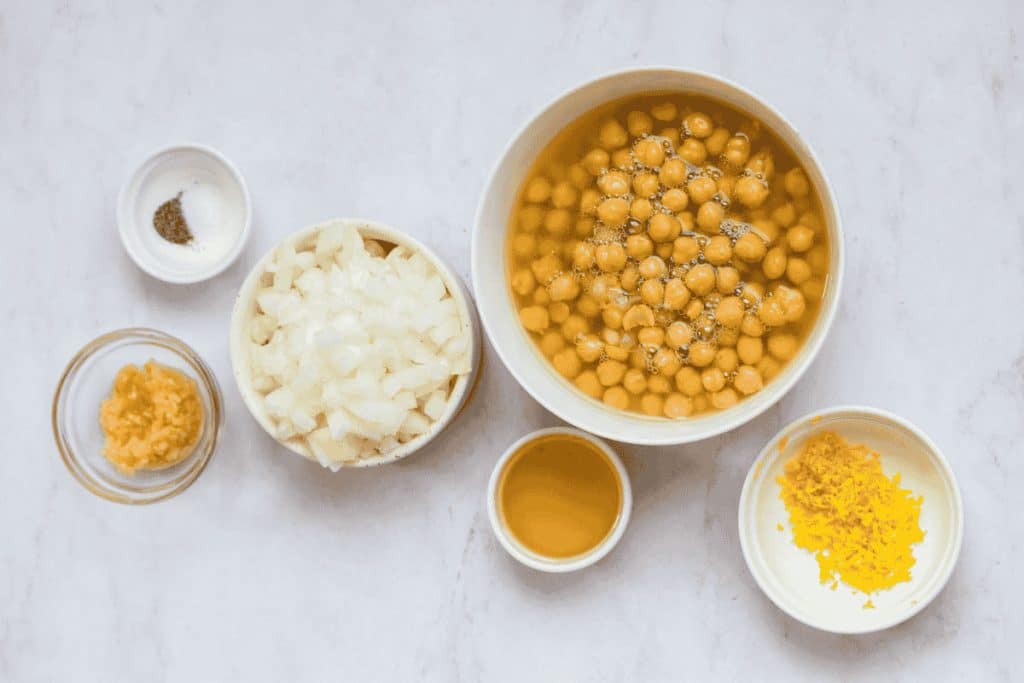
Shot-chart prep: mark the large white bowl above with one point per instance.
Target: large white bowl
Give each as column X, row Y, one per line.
column 789, row 575
column 494, row 299
column 245, row 309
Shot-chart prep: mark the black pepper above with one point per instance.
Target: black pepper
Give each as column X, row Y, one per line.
column 170, row 222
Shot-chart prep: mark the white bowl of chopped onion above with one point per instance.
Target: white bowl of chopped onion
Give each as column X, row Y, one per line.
column 353, row 344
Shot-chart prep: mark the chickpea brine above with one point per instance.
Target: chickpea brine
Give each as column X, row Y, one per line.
column 668, row 254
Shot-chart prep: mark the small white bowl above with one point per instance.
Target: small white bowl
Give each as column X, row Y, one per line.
column 245, row 309
column 213, row 192
column 494, row 299
column 540, row 562
column 789, row 575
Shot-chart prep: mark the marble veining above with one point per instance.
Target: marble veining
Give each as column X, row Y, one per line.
column 270, row 569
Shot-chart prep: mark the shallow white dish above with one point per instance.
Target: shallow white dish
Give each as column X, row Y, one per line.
column 216, row 204
column 789, row 575
column 494, row 300
column 547, row 564
column 245, row 309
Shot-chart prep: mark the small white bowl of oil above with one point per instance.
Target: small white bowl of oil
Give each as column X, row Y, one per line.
column 790, row 576
column 213, row 201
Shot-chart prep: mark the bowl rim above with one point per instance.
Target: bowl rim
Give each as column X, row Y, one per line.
column 465, row 385
column 555, row 566
column 149, row 336
column 125, row 223
column 826, row 316
column 953, row 548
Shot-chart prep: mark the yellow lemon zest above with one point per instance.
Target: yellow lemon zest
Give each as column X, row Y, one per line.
column 859, row 523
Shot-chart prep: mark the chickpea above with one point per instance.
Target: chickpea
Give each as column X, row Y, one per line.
column 549, row 245
column 604, row 287
column 641, row 209
column 726, row 398
column 718, row 250
column 574, row 326
column 639, row 246
column 616, row 397
column 667, row 362
column 651, row 404
column 578, row 177
column 727, row 360
column 693, row 150
column 727, row 336
column 702, row 354
column 665, row 111
column 649, row 152
column 685, row 249
column 659, row 384
column 751, row 191
column 663, row 227
column 564, row 288
column 712, row 379
column 785, row 214
column 671, row 134
column 664, row 250
column 567, row 363
column 531, row 218
column 737, row 150
column 749, row 349
column 688, row 381
column 693, row 309
column 645, row 185
column 590, row 199
column 766, row 228
column 551, row 343
column 588, row 383
column 635, row 381
column 800, row 238
column 751, row 325
column 563, row 195
column 672, row 173
column 675, row 200
column 768, row 367
column 611, row 316
column 623, row 158
column 772, row 312
column 546, row 267
column 541, row 296
column 727, row 279
column 730, row 312
column 813, row 289
column 538, row 190
column 596, row 161
column 587, row 306
column 639, row 315
column 677, row 406
column 678, row 334
column 653, row 267
column 795, row 183
column 762, row 163
column 612, row 135
column 700, row 279
column 710, row 216
column 639, row 123
column 523, row 282
column 752, row 294
column 583, row 255
column 652, row 292
column 558, row 222
column 558, row 312
column 817, row 258
column 701, row 189
column 615, row 352
column 614, row 183
column 782, row 345
column 534, row 318
column 589, row 348
column 630, row 278
column 798, row 271
column 750, row 248
column 748, row 380
column 793, row 303
column 650, row 336
column 774, row 264
column 699, row 125
column 524, row 245
column 727, row 186
column 610, row 257
column 610, row 372
column 613, row 211
column 676, row 294
column 716, row 141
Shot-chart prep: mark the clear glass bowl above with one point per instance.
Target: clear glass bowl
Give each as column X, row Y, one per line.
column 88, row 379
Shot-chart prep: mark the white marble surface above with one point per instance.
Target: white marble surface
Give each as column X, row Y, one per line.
column 269, row 568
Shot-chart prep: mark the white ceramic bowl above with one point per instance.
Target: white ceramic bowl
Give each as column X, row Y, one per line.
column 212, row 187
column 495, row 302
column 245, row 308
column 789, row 575
column 547, row 564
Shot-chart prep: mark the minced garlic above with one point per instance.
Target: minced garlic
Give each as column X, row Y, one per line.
column 152, row 418
column 859, row 523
